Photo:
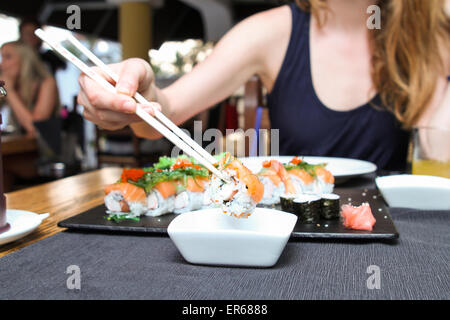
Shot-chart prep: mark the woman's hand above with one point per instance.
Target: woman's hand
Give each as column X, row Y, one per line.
column 251, row 47
column 115, row 111
column 10, row 82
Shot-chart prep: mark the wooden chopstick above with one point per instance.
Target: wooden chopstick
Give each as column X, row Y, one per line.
column 171, row 136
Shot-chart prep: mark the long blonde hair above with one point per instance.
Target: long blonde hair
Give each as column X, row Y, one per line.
column 406, row 52
column 32, row 71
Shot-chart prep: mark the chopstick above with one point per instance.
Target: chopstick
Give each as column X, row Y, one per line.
column 190, row 147
column 158, row 114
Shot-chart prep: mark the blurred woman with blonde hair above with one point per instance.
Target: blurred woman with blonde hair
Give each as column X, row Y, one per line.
column 32, row 91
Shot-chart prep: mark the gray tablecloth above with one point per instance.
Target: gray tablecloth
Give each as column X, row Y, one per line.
column 144, row 267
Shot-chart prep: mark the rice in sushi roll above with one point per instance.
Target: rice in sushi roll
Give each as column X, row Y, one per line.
column 161, row 198
column 190, row 196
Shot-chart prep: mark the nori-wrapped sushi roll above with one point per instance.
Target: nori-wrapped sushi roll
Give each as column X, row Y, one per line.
column 287, row 202
column 307, row 208
column 330, row 206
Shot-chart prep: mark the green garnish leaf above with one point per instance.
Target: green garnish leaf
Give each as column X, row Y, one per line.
column 122, row 217
column 303, row 165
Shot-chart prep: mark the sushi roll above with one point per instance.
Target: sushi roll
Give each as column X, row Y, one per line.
column 301, row 174
column 161, row 198
column 310, row 178
column 172, row 185
column 324, row 182
column 302, row 180
column 188, row 201
column 125, row 199
column 307, row 208
column 239, row 197
column 287, row 202
column 191, row 196
column 273, row 186
column 276, row 182
column 180, row 188
column 330, row 206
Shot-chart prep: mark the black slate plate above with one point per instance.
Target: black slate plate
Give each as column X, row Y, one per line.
column 384, row 228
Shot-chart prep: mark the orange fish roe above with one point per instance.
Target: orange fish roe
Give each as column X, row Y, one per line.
column 184, row 163
column 296, row 160
column 131, row 174
column 266, row 163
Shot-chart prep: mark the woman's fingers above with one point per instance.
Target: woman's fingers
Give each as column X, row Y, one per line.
column 114, row 110
column 100, row 98
column 109, row 119
column 134, row 75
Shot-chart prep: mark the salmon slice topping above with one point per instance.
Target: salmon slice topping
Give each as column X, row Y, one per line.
column 325, row 175
column 302, row 175
column 166, row 188
column 130, row 192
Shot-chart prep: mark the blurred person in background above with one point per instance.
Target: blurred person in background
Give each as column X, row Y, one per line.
column 26, row 34
column 32, row 90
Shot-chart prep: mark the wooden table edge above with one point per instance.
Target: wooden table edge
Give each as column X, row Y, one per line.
column 62, row 198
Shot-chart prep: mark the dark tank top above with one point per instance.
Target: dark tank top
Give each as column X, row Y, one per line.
column 308, row 128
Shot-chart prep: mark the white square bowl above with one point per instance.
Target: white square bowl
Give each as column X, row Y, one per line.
column 212, row 237
column 415, row 191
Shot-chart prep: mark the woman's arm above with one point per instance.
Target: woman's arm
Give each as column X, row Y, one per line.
column 435, row 143
column 234, row 60
column 437, row 113
column 43, row 108
column 247, row 49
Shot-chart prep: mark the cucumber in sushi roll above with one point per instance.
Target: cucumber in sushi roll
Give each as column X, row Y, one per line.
column 307, row 208
column 330, row 206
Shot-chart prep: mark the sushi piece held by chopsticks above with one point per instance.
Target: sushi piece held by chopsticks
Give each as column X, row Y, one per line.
column 239, row 197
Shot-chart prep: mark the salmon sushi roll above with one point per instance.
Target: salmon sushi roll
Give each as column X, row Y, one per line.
column 161, row 199
column 324, row 181
column 192, row 197
column 276, row 182
column 310, row 178
column 124, row 198
column 273, row 187
column 239, row 197
column 302, row 180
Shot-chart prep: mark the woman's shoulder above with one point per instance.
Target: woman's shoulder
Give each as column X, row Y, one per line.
column 269, row 24
column 46, row 86
column 48, row 81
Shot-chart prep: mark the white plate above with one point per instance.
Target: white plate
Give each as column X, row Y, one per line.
column 340, row 168
column 21, row 224
column 214, row 238
column 415, row 191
